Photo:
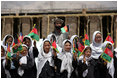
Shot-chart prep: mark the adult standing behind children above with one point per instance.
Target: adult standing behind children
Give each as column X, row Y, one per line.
column 57, row 31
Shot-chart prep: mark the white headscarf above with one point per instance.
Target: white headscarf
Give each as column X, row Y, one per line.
column 3, row 43
column 96, row 47
column 50, row 36
column 72, row 38
column 23, row 60
column 58, row 47
column 110, row 66
column 87, row 60
column 4, row 62
column 66, row 58
column 43, row 58
column 30, row 51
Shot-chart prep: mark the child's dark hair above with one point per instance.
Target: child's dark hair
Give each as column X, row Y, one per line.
column 87, row 49
column 68, row 42
column 48, row 41
column 25, row 39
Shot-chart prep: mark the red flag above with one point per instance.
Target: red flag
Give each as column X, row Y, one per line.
column 8, row 48
column 55, row 47
column 21, row 37
column 108, row 38
column 86, row 37
column 34, row 30
column 108, row 52
column 34, row 34
column 13, row 44
column 54, row 44
column 81, row 47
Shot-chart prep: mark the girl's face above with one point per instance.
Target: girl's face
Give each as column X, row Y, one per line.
column 2, row 52
column 87, row 53
column 9, row 41
column 46, row 46
column 98, row 38
column 24, row 52
column 67, row 47
column 27, row 42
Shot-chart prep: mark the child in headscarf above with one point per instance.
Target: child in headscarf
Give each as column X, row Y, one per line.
column 96, row 44
column 53, row 38
column 4, row 64
column 85, row 64
column 66, row 58
column 106, row 69
column 32, row 53
column 24, row 63
column 74, row 73
column 8, row 40
column 45, row 61
column 96, row 47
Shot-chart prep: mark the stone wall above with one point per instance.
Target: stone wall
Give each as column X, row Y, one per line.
column 74, row 22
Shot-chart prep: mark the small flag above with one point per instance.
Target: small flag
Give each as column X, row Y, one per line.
column 18, row 40
column 8, row 52
column 20, row 48
column 65, row 29
column 86, row 40
column 107, row 55
column 80, row 48
column 17, row 48
column 75, row 44
column 21, row 37
column 34, row 34
column 13, row 44
column 108, row 38
column 55, row 47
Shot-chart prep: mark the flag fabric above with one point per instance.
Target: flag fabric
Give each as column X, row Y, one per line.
column 8, row 52
column 107, row 55
column 65, row 29
column 80, row 48
column 75, row 45
column 18, row 40
column 21, row 37
column 34, row 34
column 55, row 47
column 86, row 40
column 17, row 47
column 20, row 48
column 108, row 38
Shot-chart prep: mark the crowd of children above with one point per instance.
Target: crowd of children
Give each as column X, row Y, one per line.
column 45, row 62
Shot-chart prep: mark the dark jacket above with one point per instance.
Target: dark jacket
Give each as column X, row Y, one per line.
column 47, row 71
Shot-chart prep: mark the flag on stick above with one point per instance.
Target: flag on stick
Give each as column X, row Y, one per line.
column 34, row 34
column 55, row 47
column 107, row 55
column 8, row 52
column 108, row 38
column 80, row 48
column 65, row 29
column 86, row 40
